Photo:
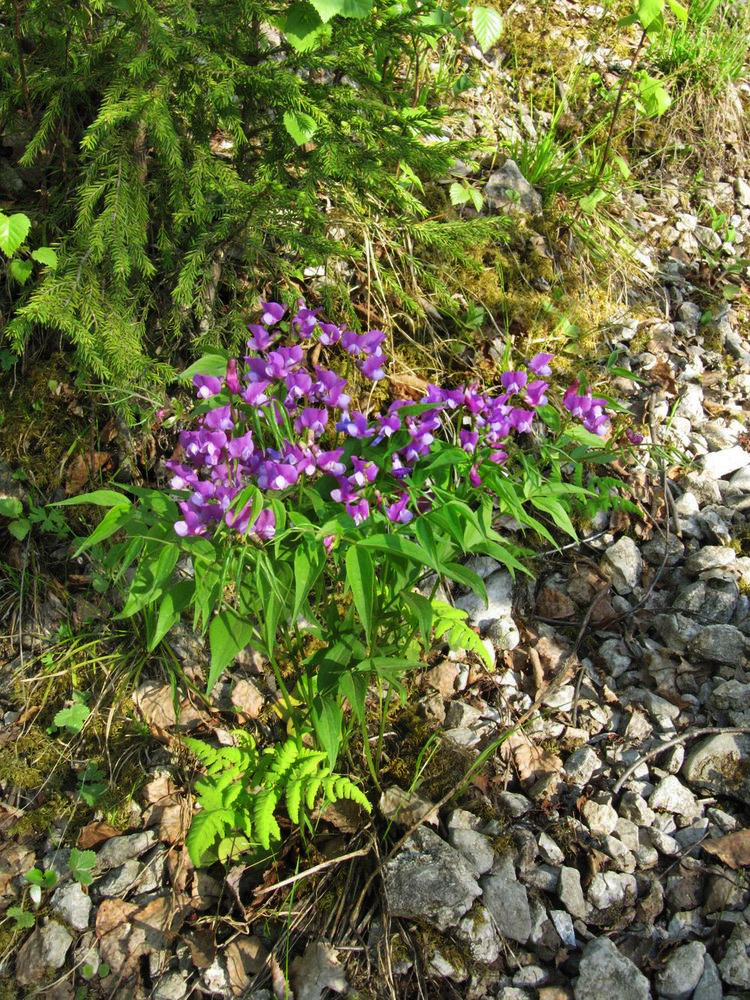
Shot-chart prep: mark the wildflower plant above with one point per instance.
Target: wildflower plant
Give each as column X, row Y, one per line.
column 319, row 533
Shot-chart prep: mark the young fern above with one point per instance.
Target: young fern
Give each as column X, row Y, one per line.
column 242, row 790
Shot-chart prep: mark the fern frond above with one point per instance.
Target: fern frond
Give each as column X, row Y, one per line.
column 207, row 825
column 265, row 825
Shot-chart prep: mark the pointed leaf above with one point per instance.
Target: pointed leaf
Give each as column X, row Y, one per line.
column 45, row 255
column 227, row 634
column 300, row 126
column 487, row 25
column 360, row 575
column 13, row 231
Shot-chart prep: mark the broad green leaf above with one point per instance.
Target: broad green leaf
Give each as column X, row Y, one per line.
column 209, row 364
column 326, row 9
column 421, row 607
column 398, row 546
column 353, row 686
column 309, row 562
column 13, row 231
column 23, row 919
column 360, row 575
column 72, row 718
column 459, row 193
column 82, row 864
column 20, row 528
column 153, row 572
column 487, row 25
column 344, row 8
column 10, row 507
column 228, row 634
column 300, row 126
column 680, row 12
column 100, row 498
column 654, row 96
column 589, row 202
column 45, row 255
column 326, row 718
column 174, row 601
column 21, row 270
column 330, row 663
column 648, row 11
column 109, row 524
column 466, row 577
column 304, row 28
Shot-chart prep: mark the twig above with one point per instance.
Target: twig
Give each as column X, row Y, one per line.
column 313, row 871
column 694, row 734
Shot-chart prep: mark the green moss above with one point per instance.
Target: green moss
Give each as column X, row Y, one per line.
column 33, row 760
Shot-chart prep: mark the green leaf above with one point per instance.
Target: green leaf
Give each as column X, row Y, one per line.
column 72, row 718
column 112, row 521
column 20, row 528
column 654, row 96
column 22, row 918
column 266, row 827
column 45, row 255
column 353, row 687
column 360, row 575
column 227, row 635
column 459, row 193
column 343, row 8
column 174, row 601
column 304, row 28
column 209, row 364
column 326, row 717
column 398, row 546
column 466, row 577
column 422, row 609
column 680, row 12
column 13, row 231
column 207, row 825
column 21, row 270
column 10, row 507
column 82, row 865
column 589, row 202
column 648, row 11
column 100, row 498
column 300, row 126
column 309, row 562
column 487, row 25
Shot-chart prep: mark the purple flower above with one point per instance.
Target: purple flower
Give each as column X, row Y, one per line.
column 207, row 386
column 305, row 320
column 469, row 441
column 298, row 384
column 633, row 437
column 330, row 462
column 283, row 360
column 191, row 524
column 536, row 394
column 474, row 478
column 329, row 389
column 273, row 312
column 355, row 425
column 521, row 420
column 359, row 510
column 232, row 381
column 277, row 475
column 261, row 338
column 242, row 447
column 398, row 512
column 388, row 425
column 372, row 368
column 539, row 364
column 364, row 472
column 311, row 420
column 514, row 381
column 255, row 370
column 264, row 527
column 328, row 334
column 219, row 419
column 344, row 492
column 255, row 394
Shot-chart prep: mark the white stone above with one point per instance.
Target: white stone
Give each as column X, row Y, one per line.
column 670, row 795
column 722, row 463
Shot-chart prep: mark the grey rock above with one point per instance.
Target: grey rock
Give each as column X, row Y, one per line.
column 670, row 795
column 635, row 808
column 171, row 986
column 564, row 926
column 742, row 190
column 600, row 817
column 581, row 764
column 118, row 850
column 478, row 932
column 714, row 600
column 722, row 463
column 654, row 550
column 475, row 848
column 570, row 893
column 508, row 902
column 499, row 600
column 429, row 880
column 514, row 803
column 715, row 765
column 73, row 905
column 710, row 557
column 612, row 889
column 719, row 644
column 676, row 630
column 549, row 850
column 709, row 984
column 735, row 966
column 681, row 974
column 606, row 972
column 691, row 405
column 43, row 951
column 623, row 563
column 686, row 508
column 118, row 881
column 508, row 190
column 741, row 480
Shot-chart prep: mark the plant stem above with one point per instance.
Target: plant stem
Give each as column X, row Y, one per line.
column 615, row 112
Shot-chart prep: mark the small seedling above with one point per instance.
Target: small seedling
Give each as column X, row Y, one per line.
column 82, row 864
column 39, row 881
column 23, row 918
column 93, row 784
column 73, row 717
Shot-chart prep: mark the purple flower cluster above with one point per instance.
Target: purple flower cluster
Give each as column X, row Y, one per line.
column 269, row 420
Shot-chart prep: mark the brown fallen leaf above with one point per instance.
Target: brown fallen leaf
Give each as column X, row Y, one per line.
column 733, row 849
column 406, row 808
column 96, row 833
column 85, row 467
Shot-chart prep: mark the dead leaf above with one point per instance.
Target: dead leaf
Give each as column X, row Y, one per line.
column 154, row 704
column 406, row 808
column 409, row 385
column 96, row 833
column 127, row 931
column 532, row 762
column 319, row 969
column 553, row 603
column 345, row 815
column 733, row 849
column 172, row 821
column 662, row 374
column 202, row 947
column 245, row 956
column 85, row 467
